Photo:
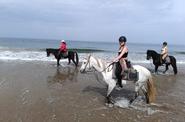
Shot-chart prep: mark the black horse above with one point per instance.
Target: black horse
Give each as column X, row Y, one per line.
column 71, row 56
column 157, row 61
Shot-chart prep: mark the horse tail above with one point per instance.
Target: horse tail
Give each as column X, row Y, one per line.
column 174, row 65
column 77, row 59
column 151, row 91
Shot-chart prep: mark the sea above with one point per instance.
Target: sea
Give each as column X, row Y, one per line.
column 34, row 50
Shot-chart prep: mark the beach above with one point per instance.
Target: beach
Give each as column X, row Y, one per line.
column 39, row 91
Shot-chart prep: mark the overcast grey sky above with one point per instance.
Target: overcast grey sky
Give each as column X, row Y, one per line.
column 94, row 20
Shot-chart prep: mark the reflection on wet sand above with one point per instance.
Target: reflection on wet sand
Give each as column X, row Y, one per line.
column 63, row 75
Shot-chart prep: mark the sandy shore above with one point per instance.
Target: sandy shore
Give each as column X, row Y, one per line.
column 41, row 92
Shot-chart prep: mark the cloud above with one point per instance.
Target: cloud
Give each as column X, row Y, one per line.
column 94, row 19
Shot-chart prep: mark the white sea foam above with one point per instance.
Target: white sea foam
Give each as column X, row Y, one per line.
column 37, row 55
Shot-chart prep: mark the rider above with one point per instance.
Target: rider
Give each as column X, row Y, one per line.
column 164, row 52
column 122, row 55
column 63, row 48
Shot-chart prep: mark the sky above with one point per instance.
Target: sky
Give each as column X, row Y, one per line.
column 94, row 20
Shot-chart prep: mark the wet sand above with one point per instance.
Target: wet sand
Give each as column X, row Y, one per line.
column 41, row 92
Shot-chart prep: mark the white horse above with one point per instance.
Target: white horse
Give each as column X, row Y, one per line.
column 145, row 82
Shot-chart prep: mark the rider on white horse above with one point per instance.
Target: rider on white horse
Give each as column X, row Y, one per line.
column 122, row 57
column 143, row 83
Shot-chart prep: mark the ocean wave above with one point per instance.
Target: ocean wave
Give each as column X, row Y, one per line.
column 180, row 52
column 40, row 55
column 81, row 50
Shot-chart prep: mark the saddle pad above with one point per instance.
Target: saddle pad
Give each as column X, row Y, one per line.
column 131, row 75
column 167, row 59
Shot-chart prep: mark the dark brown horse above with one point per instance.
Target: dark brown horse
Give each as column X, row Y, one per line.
column 156, row 61
column 71, row 56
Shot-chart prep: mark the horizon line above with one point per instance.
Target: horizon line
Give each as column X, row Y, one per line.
column 85, row 40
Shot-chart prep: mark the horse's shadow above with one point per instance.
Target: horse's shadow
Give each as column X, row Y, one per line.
column 116, row 93
column 63, row 75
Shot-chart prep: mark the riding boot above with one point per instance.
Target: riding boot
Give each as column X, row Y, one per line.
column 119, row 83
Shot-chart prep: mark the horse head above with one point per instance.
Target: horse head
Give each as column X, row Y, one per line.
column 48, row 53
column 150, row 54
column 86, row 64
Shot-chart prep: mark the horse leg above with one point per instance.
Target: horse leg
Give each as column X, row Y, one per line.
column 58, row 60
column 137, row 87
column 156, row 68
column 73, row 59
column 135, row 96
column 69, row 60
column 173, row 63
column 166, row 68
column 74, row 62
column 145, row 93
column 110, row 89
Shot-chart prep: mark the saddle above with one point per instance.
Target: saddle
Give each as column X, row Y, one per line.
column 166, row 60
column 130, row 74
column 63, row 54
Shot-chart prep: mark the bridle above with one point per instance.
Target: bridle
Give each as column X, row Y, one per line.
column 88, row 63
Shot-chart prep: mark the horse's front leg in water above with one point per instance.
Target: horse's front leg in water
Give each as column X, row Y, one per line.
column 156, row 68
column 58, row 60
column 110, row 102
column 69, row 60
column 74, row 62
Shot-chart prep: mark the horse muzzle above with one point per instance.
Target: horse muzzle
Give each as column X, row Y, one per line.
column 147, row 58
column 82, row 70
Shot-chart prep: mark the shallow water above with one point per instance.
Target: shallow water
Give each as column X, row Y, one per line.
column 37, row 91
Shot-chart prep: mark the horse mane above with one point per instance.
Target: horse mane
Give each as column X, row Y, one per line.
column 152, row 51
column 99, row 62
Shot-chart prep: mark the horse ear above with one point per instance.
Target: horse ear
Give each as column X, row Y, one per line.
column 88, row 56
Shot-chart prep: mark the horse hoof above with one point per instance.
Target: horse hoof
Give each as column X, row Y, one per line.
column 110, row 105
column 131, row 101
column 118, row 88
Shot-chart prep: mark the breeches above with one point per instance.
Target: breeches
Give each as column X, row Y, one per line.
column 123, row 64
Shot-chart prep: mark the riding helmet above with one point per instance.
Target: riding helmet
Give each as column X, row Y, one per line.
column 122, row 39
column 164, row 43
column 63, row 41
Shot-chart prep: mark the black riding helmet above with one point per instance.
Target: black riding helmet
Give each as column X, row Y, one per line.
column 122, row 39
column 165, row 43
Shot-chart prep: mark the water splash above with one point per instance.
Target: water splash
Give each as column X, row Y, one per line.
column 138, row 104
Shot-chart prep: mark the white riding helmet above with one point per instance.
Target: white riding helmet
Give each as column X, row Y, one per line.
column 62, row 40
